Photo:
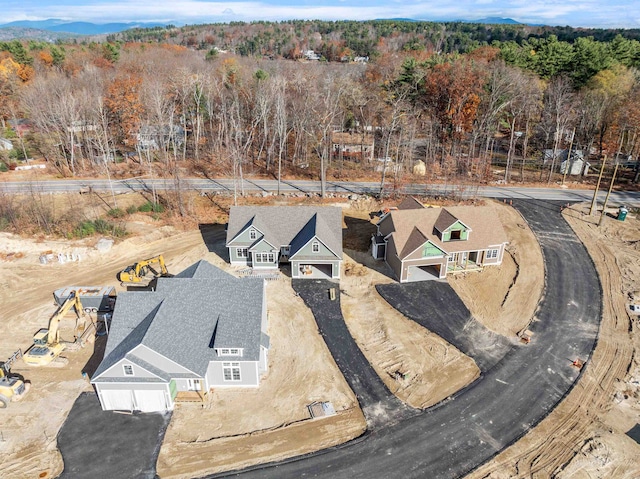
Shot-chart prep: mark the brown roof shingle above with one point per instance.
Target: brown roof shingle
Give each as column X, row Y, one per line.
column 486, row 229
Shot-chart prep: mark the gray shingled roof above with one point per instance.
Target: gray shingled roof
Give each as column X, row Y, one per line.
column 203, row 269
column 286, row 225
column 179, row 318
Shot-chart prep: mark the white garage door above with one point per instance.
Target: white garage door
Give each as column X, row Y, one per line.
column 117, row 400
column 150, row 401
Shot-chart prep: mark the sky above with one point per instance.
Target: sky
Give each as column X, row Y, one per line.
column 576, row 13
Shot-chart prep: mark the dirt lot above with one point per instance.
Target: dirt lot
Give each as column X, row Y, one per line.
column 584, row 437
column 504, row 299
column 435, row 369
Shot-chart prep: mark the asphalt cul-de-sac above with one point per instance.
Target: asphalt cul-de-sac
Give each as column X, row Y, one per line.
column 518, row 391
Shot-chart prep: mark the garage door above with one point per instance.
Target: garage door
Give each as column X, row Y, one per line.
column 150, row 401
column 117, row 400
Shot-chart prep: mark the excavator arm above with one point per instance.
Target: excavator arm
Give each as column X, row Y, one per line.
column 54, row 322
column 47, row 347
column 135, row 273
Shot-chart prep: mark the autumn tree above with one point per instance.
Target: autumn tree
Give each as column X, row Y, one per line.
column 125, row 108
column 452, row 92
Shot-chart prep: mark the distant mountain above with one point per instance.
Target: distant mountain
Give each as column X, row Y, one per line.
column 494, row 21
column 80, row 28
column 37, row 24
column 13, row 33
column 485, row 21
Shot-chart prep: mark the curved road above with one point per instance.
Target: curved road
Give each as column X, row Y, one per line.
column 455, row 437
column 222, row 185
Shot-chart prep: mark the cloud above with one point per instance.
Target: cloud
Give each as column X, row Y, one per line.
column 585, row 13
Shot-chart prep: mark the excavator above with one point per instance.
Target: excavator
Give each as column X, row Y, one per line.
column 12, row 387
column 136, row 273
column 47, row 346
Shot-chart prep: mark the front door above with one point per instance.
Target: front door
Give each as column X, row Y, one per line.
column 194, row 384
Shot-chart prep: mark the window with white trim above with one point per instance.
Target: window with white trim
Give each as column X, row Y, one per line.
column 492, row 253
column 231, row 371
column 242, row 252
column 315, row 247
column 229, row 352
column 128, row 369
column 252, row 234
column 264, row 258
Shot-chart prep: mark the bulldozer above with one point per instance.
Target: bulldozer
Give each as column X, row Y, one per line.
column 47, row 346
column 137, row 272
column 12, row 387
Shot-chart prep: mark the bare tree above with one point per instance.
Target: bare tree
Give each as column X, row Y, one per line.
column 557, row 114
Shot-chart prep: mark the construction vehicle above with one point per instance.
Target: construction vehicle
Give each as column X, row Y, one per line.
column 47, row 346
column 12, row 387
column 95, row 299
column 136, row 273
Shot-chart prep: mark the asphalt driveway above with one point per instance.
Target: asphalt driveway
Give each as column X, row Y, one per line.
column 105, row 444
column 378, row 404
column 454, row 437
column 436, row 306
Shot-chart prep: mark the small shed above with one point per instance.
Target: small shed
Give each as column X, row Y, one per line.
column 573, row 164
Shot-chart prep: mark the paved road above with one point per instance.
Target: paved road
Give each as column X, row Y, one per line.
column 455, row 437
column 312, row 187
column 436, row 306
column 379, row 406
column 97, row 443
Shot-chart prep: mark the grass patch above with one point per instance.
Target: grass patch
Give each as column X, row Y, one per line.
column 100, row 226
column 131, row 209
column 149, row 207
column 116, row 213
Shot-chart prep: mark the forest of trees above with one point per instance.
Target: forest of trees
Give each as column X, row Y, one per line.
column 176, row 108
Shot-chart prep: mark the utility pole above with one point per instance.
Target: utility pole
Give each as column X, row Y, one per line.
column 595, row 193
column 606, row 200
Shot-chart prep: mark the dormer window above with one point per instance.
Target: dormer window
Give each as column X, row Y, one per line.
column 456, row 234
column 230, row 352
column 252, row 234
column 315, row 247
column 128, row 369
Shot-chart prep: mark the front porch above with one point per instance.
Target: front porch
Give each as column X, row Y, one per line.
column 190, row 397
column 463, row 262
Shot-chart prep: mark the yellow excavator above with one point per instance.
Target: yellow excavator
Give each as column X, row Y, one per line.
column 136, row 273
column 47, row 346
column 12, row 387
